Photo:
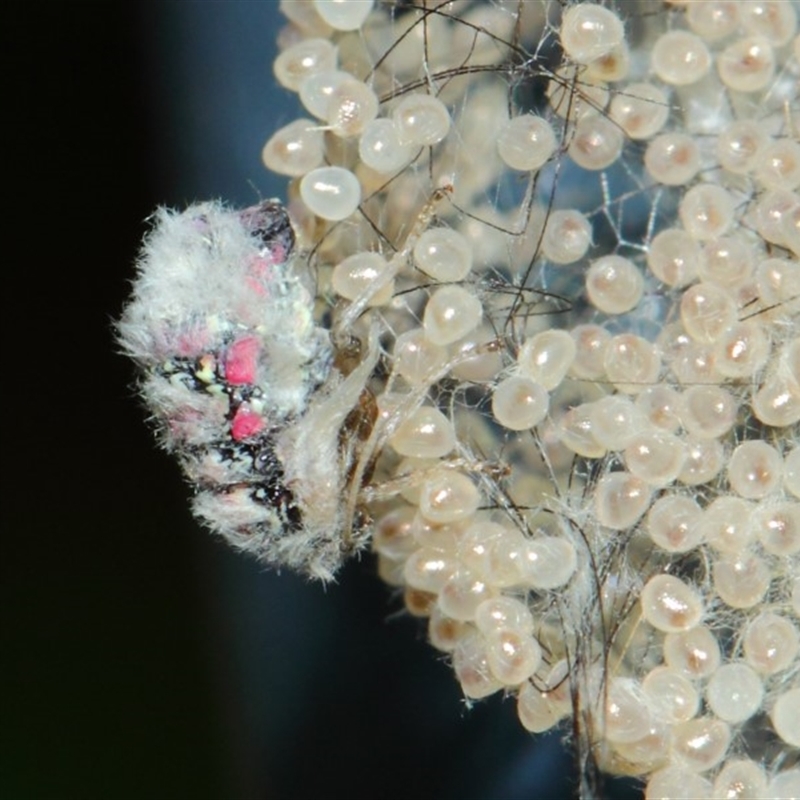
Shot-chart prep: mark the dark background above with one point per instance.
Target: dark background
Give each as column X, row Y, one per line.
column 140, row 657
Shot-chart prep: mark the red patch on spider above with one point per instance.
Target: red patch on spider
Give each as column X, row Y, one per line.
column 246, row 423
column 241, row 361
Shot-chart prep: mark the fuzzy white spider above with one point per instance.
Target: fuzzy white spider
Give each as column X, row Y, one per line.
column 244, row 387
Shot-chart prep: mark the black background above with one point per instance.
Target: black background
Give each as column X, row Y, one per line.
column 141, row 658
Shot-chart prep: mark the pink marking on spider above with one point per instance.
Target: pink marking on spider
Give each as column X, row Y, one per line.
column 185, row 424
column 246, row 423
column 190, row 342
column 241, row 360
column 261, row 273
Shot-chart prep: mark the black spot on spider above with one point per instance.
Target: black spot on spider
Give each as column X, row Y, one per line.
column 270, row 223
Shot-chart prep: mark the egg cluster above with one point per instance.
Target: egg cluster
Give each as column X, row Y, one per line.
column 577, row 226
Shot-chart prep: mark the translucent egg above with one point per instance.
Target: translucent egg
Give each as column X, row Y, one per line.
column 445, row 537
column 671, row 605
column 677, row 783
column 704, row 459
column 747, row 65
column 462, row 593
column 740, row 580
column 777, row 402
column 673, row 341
column 777, row 166
column 443, row 254
column 427, row 433
column 771, row 643
column 680, row 58
column 502, row 559
column 728, row 261
column 773, row 19
column 332, row 193
column 790, row 229
column 417, row 603
column 472, row 670
column 626, row 717
column 567, row 236
column 596, row 142
column 672, row 158
column 392, row 535
column 445, row 633
column 620, row 499
column 546, row 357
column 739, row 145
column 498, row 613
column 589, row 31
column 344, row 15
column 742, row 350
column 714, row 19
column 708, row 412
column 357, row 274
column 696, row 365
column 448, row 497
column 526, row 142
column 772, row 210
column 777, row 526
column 654, row 456
column 614, row 284
column 475, row 544
column 641, row 756
column 390, row 570
column 701, row 743
column 670, row 695
column 613, row 66
column 615, row 421
column 631, row 363
column 590, row 342
column 518, row 403
column 379, row 147
column 351, row 107
column 707, row 311
column 450, row 314
column 672, row 523
column 778, row 282
column 660, row 405
column 575, row 430
column 673, row 257
column 421, row 120
column 513, row 655
column 556, row 682
column 707, row 211
column 735, row 692
column 791, row 471
column 305, row 17
column 640, row 109
column 725, row 524
column 755, row 469
column 317, row 89
column 536, row 710
column 295, row 149
column 302, row 59
column 548, row 562
column 741, row 778
column 405, row 472
column 785, row 785
column 476, row 357
column 785, row 717
column 428, row 570
column 695, row 652
column 416, row 358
